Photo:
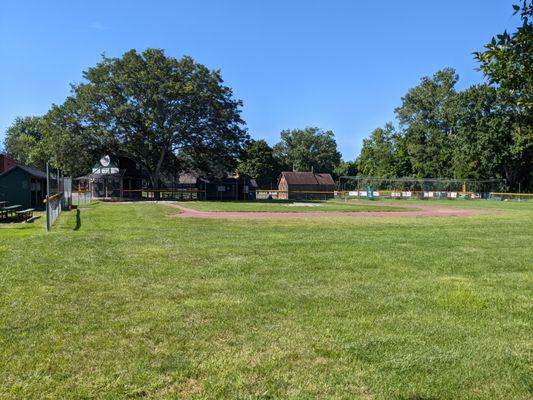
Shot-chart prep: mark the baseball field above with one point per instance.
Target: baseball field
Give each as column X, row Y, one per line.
column 182, row 300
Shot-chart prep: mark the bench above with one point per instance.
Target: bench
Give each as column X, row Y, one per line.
column 7, row 212
column 24, row 215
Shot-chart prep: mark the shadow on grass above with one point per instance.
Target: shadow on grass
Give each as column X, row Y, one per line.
column 13, row 222
column 32, row 219
column 78, row 220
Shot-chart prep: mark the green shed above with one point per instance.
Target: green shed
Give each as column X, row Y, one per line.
column 23, row 185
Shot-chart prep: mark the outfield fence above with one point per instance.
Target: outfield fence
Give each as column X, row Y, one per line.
column 512, row 196
column 263, row 194
column 409, row 194
column 81, row 197
column 422, row 185
column 428, row 195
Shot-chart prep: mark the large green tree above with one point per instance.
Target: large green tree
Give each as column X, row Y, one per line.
column 307, row 149
column 508, row 59
column 484, row 143
column 22, row 141
column 507, row 62
column 485, row 131
column 69, row 142
column 381, row 154
column 346, row 168
column 257, row 161
column 58, row 137
column 160, row 109
column 426, row 117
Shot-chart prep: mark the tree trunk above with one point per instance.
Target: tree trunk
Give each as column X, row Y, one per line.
column 157, row 172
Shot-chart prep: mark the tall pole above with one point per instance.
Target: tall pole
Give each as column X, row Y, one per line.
column 60, row 188
column 47, row 198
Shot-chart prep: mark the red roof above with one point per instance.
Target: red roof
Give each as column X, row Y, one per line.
column 307, row 178
column 6, row 163
column 324, row 179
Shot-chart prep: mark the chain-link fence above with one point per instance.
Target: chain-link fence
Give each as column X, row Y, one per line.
column 58, row 195
column 434, row 188
column 502, row 196
column 81, row 197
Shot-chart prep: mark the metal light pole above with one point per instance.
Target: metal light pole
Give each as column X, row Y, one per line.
column 48, row 227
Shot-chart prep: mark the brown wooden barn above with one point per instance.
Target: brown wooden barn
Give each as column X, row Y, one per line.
column 305, row 186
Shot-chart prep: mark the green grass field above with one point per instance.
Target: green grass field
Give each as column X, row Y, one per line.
column 130, row 301
column 287, row 206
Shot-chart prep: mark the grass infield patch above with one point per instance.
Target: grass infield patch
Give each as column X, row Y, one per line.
column 288, row 206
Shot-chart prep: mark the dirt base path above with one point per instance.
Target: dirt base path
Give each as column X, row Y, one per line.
column 420, row 211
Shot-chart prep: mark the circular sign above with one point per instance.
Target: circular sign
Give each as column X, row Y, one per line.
column 105, row 161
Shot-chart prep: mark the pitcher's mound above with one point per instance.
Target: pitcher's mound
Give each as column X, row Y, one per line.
column 304, row 205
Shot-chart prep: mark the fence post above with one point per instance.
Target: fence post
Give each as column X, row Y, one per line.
column 47, row 198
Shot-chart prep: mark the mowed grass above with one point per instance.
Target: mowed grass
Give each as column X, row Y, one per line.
column 288, row 206
column 130, row 301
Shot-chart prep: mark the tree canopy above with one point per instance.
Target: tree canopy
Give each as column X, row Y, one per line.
column 377, row 157
column 307, row 149
column 158, row 110
column 22, row 140
column 155, row 107
column 177, row 115
column 443, row 133
column 346, row 168
column 257, row 161
column 484, row 131
column 508, row 59
column 426, row 119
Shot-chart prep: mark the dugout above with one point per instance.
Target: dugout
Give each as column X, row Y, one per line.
column 232, row 187
column 25, row 186
column 116, row 178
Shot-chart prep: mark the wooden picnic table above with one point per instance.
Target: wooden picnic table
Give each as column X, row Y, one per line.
column 10, row 211
column 25, row 215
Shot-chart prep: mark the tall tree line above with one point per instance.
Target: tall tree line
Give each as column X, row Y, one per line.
column 168, row 115
column 485, row 131
column 164, row 113
column 307, row 149
column 177, row 115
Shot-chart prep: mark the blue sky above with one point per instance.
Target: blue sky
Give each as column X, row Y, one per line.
column 339, row 64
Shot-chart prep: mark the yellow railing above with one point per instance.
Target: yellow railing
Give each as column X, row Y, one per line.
column 53, row 197
column 512, row 194
column 293, row 191
column 176, row 190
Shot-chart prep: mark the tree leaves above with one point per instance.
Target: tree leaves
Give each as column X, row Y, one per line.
column 257, row 161
column 157, row 107
column 447, row 134
column 308, row 149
